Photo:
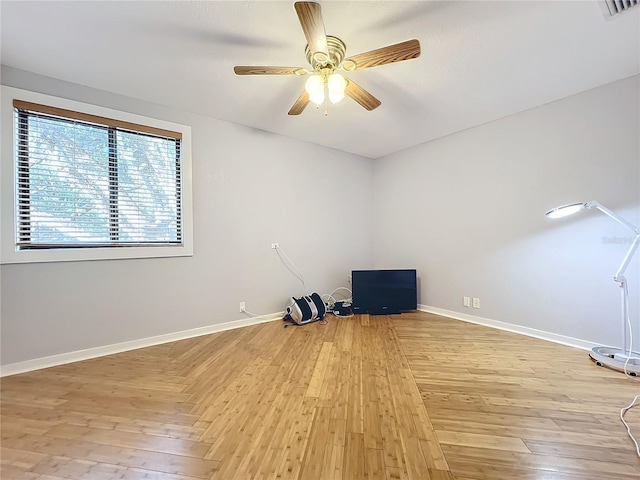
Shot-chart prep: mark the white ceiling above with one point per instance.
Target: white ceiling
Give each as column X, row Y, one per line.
column 481, row 60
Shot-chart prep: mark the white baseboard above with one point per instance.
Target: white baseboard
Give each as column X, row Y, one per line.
column 63, row 358
column 509, row 327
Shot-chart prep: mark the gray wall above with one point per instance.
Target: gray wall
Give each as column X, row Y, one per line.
column 250, row 188
column 468, row 212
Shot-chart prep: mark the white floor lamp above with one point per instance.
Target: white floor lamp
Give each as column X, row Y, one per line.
column 619, row 359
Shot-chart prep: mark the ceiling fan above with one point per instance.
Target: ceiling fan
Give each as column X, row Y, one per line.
column 326, row 55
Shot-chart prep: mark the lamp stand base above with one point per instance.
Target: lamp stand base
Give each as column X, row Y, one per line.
column 616, row 359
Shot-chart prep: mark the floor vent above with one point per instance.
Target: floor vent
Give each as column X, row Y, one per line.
column 619, row 6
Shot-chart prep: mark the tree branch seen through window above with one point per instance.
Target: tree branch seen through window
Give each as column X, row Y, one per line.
column 85, row 181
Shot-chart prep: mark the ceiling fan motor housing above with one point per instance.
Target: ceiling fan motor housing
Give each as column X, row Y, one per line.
column 336, row 48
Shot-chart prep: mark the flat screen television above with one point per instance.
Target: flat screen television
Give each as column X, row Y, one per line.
column 384, row 292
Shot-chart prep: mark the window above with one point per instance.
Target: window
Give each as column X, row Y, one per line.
column 95, row 183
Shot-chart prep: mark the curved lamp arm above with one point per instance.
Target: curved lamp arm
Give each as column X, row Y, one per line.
column 572, row 208
column 617, row 218
column 618, row 277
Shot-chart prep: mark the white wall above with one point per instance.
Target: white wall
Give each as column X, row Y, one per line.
column 468, row 210
column 250, row 188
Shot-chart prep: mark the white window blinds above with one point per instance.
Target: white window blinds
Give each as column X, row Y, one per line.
column 89, row 181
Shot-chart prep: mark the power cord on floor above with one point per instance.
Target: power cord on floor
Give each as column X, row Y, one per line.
column 336, row 307
column 622, row 413
column 634, row 403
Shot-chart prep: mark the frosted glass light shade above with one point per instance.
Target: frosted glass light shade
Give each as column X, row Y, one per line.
column 336, row 84
column 315, row 88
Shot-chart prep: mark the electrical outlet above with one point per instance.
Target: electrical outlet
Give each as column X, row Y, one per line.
column 466, row 301
column 476, row 303
column 349, row 279
column 275, row 245
column 242, row 306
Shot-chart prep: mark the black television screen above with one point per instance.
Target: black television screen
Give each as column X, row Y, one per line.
column 380, row 292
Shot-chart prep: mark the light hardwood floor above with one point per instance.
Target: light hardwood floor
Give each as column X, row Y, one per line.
column 414, row 396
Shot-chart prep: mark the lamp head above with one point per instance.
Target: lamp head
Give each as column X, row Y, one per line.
column 566, row 210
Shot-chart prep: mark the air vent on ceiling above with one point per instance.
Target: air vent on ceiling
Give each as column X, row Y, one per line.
column 619, row 6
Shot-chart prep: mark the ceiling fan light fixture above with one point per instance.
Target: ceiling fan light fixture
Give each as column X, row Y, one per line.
column 336, row 84
column 326, row 54
column 314, row 86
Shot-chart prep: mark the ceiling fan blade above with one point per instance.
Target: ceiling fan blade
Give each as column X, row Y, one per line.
column 300, row 105
column 361, row 96
column 246, row 70
column 381, row 56
column 310, row 16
